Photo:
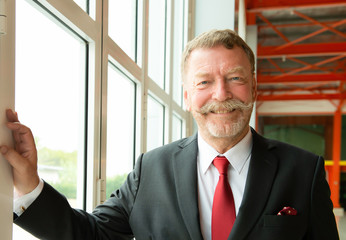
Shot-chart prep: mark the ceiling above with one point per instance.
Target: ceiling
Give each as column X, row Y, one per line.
column 301, row 55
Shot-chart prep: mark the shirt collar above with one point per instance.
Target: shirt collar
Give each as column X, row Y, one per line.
column 237, row 155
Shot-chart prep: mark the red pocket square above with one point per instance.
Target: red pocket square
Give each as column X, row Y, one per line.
column 288, row 211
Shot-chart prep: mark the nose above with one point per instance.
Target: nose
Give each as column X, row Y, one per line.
column 221, row 91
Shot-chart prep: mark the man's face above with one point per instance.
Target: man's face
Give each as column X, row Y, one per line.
column 218, row 85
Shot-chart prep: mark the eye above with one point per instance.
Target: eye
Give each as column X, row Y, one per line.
column 236, row 79
column 202, row 83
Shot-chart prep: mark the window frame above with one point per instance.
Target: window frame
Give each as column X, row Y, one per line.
column 101, row 50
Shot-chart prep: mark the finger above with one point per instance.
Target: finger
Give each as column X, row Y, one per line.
column 25, row 176
column 16, row 129
column 11, row 115
column 14, row 158
column 21, row 133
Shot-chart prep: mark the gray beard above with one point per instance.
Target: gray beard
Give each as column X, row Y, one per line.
column 232, row 129
column 227, row 130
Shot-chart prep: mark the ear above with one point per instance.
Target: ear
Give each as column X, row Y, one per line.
column 254, row 88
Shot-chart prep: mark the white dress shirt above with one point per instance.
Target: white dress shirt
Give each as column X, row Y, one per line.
column 208, row 176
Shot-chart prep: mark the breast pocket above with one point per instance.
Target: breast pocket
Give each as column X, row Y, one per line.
column 285, row 227
column 282, row 221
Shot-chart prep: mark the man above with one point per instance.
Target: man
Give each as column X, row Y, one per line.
column 170, row 193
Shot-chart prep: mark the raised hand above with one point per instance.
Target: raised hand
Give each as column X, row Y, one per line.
column 23, row 158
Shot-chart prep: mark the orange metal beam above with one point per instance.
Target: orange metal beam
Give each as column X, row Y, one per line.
column 276, row 65
column 260, row 5
column 250, row 18
column 273, row 27
column 301, row 50
column 306, row 64
column 317, row 96
column 322, row 77
column 329, row 166
column 319, row 23
column 309, row 35
column 332, row 68
column 290, row 25
column 321, row 87
column 310, row 66
column 335, row 173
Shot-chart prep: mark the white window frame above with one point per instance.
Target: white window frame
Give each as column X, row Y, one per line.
column 94, row 29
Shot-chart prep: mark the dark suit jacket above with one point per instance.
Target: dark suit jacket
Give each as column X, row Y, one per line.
column 159, row 200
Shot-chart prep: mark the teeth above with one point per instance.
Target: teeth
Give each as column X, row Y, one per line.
column 221, row 112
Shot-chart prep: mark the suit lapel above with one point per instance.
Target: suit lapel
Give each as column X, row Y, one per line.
column 185, row 175
column 260, row 177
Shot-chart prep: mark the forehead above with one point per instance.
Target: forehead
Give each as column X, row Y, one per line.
column 219, row 57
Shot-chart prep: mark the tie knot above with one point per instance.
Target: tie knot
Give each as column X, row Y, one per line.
column 221, row 163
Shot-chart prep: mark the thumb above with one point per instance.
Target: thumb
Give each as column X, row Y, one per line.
column 18, row 162
column 25, row 174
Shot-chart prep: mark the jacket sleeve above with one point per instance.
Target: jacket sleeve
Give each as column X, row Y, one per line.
column 322, row 220
column 51, row 217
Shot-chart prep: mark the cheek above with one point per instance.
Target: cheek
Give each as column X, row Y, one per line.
column 199, row 99
column 243, row 93
column 195, row 99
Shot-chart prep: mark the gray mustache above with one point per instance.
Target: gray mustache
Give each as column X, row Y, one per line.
column 228, row 105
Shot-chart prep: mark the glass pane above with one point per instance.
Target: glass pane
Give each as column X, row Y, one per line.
column 156, row 45
column 120, row 129
column 178, row 44
column 50, row 93
column 122, row 24
column 177, row 126
column 155, row 125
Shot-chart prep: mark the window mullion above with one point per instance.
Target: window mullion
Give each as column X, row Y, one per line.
column 144, row 78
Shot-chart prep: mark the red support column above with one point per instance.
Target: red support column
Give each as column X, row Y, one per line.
column 335, row 173
column 250, row 18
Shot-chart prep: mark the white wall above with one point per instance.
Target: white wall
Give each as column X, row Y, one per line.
column 216, row 14
column 251, row 40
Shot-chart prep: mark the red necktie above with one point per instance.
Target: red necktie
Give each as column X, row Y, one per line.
column 223, row 212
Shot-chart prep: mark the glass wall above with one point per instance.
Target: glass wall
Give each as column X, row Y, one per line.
column 157, row 41
column 178, row 41
column 177, row 128
column 97, row 82
column 122, row 25
column 155, row 127
column 50, row 98
column 121, row 128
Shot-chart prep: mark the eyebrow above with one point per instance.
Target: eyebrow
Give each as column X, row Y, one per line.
column 234, row 70
column 202, row 74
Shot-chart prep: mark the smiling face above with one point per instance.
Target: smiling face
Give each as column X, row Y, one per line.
column 219, row 91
